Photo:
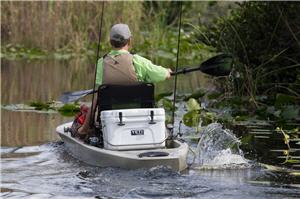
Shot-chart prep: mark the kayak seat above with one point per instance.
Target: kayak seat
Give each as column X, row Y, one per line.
column 112, row 97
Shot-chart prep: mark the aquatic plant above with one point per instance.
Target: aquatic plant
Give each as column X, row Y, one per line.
column 69, row 109
column 266, row 49
column 290, row 136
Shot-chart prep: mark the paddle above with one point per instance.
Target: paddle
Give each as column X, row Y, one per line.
column 73, row 96
column 219, row 65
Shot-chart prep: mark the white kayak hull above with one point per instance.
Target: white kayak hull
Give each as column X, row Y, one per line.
column 124, row 159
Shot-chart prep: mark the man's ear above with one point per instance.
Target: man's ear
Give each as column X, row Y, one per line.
column 129, row 43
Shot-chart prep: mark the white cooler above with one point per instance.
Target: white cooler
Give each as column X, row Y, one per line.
column 128, row 129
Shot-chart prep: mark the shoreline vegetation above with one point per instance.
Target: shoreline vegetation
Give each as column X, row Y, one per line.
column 65, row 30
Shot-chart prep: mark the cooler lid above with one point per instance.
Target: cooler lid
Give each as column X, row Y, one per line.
column 133, row 112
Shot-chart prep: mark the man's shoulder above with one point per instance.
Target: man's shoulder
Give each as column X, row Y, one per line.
column 138, row 57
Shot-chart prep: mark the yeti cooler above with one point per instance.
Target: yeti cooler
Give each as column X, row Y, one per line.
column 130, row 129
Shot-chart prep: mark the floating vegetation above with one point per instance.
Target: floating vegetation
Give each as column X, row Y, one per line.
column 45, row 107
column 162, row 95
column 289, row 136
column 69, row 109
column 40, row 105
column 13, row 52
column 196, row 95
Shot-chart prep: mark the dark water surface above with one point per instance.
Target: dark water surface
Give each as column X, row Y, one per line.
column 35, row 164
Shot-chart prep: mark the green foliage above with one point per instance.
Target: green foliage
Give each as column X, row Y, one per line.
column 214, row 95
column 154, row 26
column 40, row 105
column 17, row 51
column 197, row 115
column 162, row 95
column 192, row 118
column 192, row 105
column 264, row 39
column 288, row 137
column 69, row 109
column 63, row 25
column 196, row 95
column 13, row 52
column 64, row 109
column 283, row 99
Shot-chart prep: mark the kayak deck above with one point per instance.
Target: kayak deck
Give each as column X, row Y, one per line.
column 131, row 159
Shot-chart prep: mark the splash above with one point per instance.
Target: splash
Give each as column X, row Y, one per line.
column 218, row 148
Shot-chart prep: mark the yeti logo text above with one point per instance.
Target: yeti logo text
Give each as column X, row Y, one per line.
column 137, row 132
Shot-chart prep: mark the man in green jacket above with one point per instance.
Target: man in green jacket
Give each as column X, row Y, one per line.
column 123, row 68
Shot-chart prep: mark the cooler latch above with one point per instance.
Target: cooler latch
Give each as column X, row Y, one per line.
column 121, row 119
column 152, row 118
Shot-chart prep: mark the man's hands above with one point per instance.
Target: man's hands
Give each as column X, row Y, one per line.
column 169, row 73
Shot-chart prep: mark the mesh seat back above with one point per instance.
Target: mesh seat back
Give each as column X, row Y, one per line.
column 112, row 97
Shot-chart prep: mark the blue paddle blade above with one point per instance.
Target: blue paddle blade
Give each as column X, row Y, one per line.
column 68, row 97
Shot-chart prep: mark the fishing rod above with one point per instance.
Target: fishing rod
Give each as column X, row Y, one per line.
column 176, row 68
column 217, row 66
column 92, row 116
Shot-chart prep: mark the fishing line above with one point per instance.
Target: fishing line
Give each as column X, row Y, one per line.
column 98, row 50
column 176, row 69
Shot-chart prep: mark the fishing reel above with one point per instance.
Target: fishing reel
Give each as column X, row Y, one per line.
column 170, row 128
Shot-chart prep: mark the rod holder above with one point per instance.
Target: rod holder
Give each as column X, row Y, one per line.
column 121, row 119
column 152, row 118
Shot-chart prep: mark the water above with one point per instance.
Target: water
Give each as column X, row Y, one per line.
column 35, row 164
column 219, row 147
column 48, row 171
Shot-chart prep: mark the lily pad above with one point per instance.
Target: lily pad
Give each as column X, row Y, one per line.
column 69, row 109
column 209, row 117
column 192, row 118
column 192, row 105
column 162, row 95
column 196, row 95
column 168, row 104
column 40, row 105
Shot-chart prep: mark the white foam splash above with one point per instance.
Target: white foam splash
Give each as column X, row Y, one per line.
column 226, row 157
column 218, row 148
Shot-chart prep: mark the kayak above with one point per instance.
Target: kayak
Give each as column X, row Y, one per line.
column 173, row 154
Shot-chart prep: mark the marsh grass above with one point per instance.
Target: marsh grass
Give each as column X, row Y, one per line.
column 63, row 25
column 70, row 29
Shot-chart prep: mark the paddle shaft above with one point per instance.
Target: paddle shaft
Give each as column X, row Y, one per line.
column 73, row 96
column 186, row 70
